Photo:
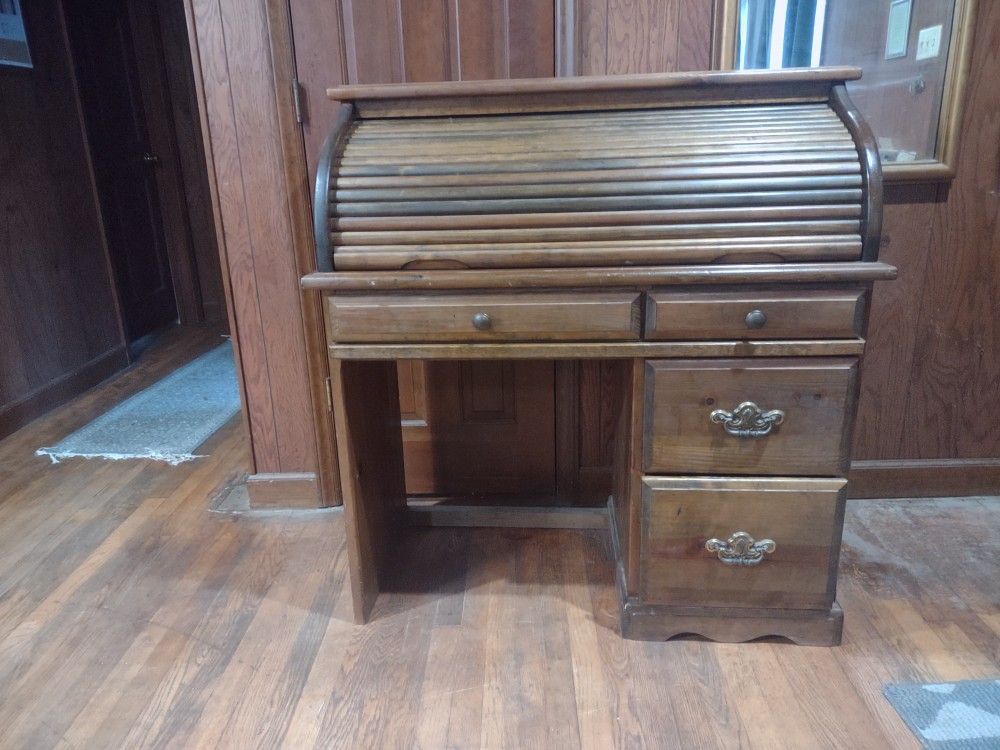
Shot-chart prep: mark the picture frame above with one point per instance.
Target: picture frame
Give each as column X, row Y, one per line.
column 14, row 49
column 936, row 166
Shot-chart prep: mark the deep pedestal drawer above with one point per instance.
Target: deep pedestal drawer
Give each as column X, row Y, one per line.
column 787, row 559
column 763, row 416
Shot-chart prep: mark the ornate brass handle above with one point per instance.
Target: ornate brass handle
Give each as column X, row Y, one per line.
column 748, row 420
column 741, row 549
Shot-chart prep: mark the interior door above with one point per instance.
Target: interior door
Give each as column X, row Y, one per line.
column 124, row 165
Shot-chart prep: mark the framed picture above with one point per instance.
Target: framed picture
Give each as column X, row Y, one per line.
column 914, row 58
column 13, row 41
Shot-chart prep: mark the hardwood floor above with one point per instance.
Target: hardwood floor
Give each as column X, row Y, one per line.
column 132, row 615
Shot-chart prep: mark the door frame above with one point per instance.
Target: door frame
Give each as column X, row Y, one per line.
column 157, row 113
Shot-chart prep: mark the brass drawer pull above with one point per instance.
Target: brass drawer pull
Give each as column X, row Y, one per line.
column 481, row 321
column 756, row 319
column 740, row 549
column 748, row 420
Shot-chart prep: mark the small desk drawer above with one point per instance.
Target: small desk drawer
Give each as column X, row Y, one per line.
column 748, row 416
column 485, row 317
column 820, row 314
column 694, row 551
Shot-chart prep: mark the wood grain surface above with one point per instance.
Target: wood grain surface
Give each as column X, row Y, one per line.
column 233, row 47
column 815, row 395
column 934, row 337
column 62, row 332
column 788, row 314
column 134, row 616
column 801, row 516
column 585, row 316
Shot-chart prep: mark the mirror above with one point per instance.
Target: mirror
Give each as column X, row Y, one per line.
column 913, row 53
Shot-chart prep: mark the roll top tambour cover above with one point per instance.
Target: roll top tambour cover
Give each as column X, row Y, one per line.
column 679, row 183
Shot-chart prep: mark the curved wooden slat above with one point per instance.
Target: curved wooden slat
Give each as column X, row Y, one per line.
column 574, row 233
column 596, row 189
column 655, row 168
column 589, row 219
column 614, row 203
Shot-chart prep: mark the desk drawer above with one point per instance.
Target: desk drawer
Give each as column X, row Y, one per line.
column 746, row 416
column 575, row 316
column 820, row 314
column 788, row 558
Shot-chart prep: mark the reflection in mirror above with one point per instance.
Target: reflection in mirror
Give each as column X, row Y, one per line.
column 901, row 46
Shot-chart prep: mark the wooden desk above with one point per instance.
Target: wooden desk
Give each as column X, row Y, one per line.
column 713, row 236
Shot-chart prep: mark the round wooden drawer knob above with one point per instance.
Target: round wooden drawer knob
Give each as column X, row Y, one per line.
column 481, row 321
column 756, row 319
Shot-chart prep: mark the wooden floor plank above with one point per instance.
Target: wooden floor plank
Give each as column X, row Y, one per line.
column 132, row 615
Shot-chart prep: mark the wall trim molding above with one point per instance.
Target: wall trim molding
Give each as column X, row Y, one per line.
column 933, row 477
column 32, row 405
column 286, row 490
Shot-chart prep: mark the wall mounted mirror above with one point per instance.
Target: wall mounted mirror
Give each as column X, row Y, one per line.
column 914, row 55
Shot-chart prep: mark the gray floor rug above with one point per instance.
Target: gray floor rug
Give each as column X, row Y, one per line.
column 951, row 715
column 165, row 422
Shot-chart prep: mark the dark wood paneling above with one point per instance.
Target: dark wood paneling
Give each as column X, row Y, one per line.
column 247, row 163
column 320, row 63
column 893, row 318
column 930, row 379
column 642, row 36
column 954, row 380
column 60, row 331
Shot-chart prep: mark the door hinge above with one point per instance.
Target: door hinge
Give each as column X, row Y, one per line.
column 297, row 100
column 329, row 394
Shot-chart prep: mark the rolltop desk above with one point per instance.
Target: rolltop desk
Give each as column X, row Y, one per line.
column 715, row 235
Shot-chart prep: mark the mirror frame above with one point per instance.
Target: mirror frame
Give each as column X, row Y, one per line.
column 942, row 166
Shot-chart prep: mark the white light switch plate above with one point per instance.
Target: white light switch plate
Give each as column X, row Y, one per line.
column 929, row 42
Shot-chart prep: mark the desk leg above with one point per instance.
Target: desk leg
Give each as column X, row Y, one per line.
column 370, row 451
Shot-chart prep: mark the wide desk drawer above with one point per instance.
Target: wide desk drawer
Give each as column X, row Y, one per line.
column 748, row 416
column 684, row 316
column 724, row 542
column 597, row 316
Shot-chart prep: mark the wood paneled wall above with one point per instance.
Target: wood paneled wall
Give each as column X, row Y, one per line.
column 232, row 48
column 931, row 383
column 614, row 37
column 59, row 328
column 931, row 377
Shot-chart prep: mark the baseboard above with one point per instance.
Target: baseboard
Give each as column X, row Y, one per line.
column 958, row 477
column 287, row 490
column 17, row 414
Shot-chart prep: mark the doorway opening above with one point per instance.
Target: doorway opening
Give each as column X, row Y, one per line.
column 132, row 62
